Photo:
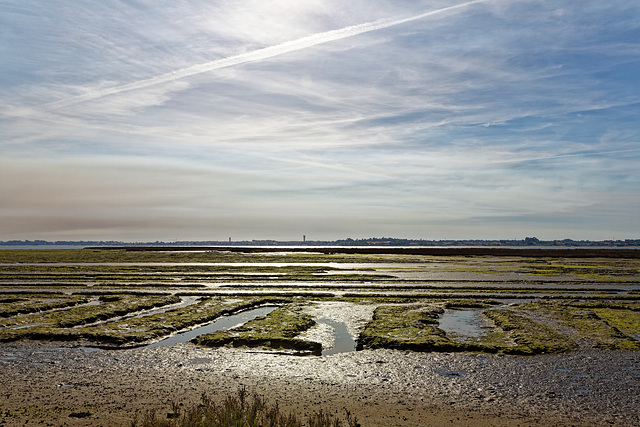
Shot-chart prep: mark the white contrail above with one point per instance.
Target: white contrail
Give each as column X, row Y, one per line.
column 257, row 55
column 560, row 156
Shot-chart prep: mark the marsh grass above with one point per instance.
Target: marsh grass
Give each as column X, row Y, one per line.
column 603, row 269
column 240, row 410
column 415, row 327
column 121, row 268
column 162, row 324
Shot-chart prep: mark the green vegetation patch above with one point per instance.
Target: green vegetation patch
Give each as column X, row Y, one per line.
column 406, row 327
column 624, row 320
column 212, row 256
column 602, row 269
column 138, row 329
column 13, row 305
column 589, row 326
column 632, row 306
column 415, row 327
column 158, row 325
column 530, row 337
column 109, row 307
column 277, row 330
column 95, row 271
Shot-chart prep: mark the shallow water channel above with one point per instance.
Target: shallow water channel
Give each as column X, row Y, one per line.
column 343, row 341
column 221, row 324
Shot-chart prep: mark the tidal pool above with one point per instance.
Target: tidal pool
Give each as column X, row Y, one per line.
column 343, row 341
column 221, row 324
column 467, row 323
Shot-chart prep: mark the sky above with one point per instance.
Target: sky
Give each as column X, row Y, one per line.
column 145, row 120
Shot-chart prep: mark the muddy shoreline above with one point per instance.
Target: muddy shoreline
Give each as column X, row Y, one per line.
column 45, row 383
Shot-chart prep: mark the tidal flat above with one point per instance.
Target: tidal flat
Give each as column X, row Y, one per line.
column 395, row 338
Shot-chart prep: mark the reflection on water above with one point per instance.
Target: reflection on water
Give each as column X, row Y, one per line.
column 221, row 324
column 462, row 322
column 343, row 341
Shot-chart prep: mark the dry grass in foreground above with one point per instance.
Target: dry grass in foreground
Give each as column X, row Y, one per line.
column 239, row 410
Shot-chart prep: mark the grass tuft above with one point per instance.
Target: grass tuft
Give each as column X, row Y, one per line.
column 239, row 410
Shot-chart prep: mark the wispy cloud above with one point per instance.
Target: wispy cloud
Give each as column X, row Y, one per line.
column 257, row 55
column 433, row 118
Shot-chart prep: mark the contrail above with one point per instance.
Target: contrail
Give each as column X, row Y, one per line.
column 559, row 156
column 257, row 55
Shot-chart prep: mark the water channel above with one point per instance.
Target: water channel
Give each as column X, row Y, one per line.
column 343, row 341
column 221, row 324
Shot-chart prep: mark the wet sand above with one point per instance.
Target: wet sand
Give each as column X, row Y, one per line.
column 52, row 385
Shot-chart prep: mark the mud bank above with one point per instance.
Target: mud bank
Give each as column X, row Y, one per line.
column 44, row 383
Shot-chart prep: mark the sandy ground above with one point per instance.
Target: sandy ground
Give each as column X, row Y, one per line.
column 53, row 385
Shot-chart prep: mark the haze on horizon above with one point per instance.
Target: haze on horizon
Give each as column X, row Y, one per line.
column 432, row 119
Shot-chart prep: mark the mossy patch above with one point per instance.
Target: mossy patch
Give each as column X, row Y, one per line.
column 13, row 305
column 111, row 306
column 406, row 327
column 626, row 321
column 589, row 326
column 140, row 329
column 414, row 327
column 530, row 337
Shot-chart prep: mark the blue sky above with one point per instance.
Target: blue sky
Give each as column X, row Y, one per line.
column 195, row 120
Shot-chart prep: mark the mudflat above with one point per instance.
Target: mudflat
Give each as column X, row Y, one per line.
column 441, row 340
column 52, row 385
